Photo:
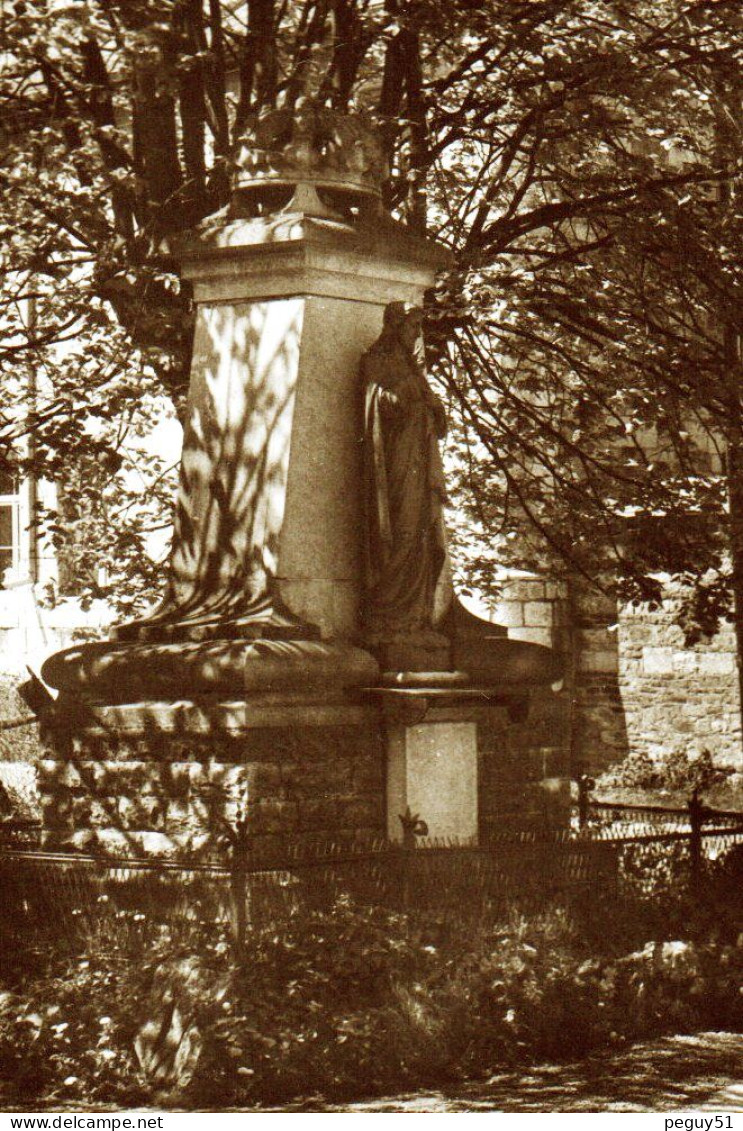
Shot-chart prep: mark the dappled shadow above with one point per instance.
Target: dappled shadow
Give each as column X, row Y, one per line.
column 161, row 778
column 679, row 1074
column 233, row 476
column 676, row 1073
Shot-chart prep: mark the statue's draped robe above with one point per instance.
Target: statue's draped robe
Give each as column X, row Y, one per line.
column 407, row 577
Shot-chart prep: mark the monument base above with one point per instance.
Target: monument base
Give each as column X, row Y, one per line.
column 282, row 742
column 176, row 780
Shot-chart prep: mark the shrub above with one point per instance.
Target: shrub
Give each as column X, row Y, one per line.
column 677, row 771
column 355, row 1000
column 67, row 1034
column 21, row 743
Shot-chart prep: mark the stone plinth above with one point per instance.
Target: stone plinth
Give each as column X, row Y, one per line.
column 171, row 779
column 445, row 738
column 432, row 776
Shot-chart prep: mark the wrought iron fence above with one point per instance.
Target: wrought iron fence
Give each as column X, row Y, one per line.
column 613, row 850
column 654, row 840
column 70, row 894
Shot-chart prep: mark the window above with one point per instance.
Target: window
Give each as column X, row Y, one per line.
column 9, row 525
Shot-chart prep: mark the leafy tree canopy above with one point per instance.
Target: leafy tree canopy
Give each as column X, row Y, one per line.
column 581, row 159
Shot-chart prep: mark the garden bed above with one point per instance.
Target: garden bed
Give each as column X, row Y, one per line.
column 351, row 1002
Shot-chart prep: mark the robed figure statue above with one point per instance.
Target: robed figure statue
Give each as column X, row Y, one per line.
column 408, row 581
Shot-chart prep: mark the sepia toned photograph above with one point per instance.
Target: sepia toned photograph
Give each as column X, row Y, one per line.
column 371, row 558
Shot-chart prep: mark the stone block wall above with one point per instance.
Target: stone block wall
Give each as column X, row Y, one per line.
column 525, row 765
column 171, row 794
column 677, row 697
column 632, row 685
column 524, row 769
column 598, row 719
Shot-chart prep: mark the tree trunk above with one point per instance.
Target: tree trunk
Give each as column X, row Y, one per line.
column 418, row 134
column 155, row 139
column 258, row 66
column 729, row 131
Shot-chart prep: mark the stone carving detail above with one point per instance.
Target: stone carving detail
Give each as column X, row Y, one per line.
column 310, row 144
column 408, row 582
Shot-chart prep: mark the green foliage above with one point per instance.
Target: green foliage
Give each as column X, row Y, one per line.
column 21, row 744
column 581, row 162
column 677, row 771
column 57, row 1038
column 346, row 1002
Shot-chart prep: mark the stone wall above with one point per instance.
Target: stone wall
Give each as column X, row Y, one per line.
column 677, row 697
column 172, row 794
column 524, row 768
column 525, row 763
column 598, row 727
column 631, row 683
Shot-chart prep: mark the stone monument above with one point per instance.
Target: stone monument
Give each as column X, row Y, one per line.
column 309, row 665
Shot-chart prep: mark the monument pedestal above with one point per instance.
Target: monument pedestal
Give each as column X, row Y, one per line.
column 432, row 725
column 252, row 691
column 175, row 779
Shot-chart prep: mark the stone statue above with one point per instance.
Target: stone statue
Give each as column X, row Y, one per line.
column 408, row 585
